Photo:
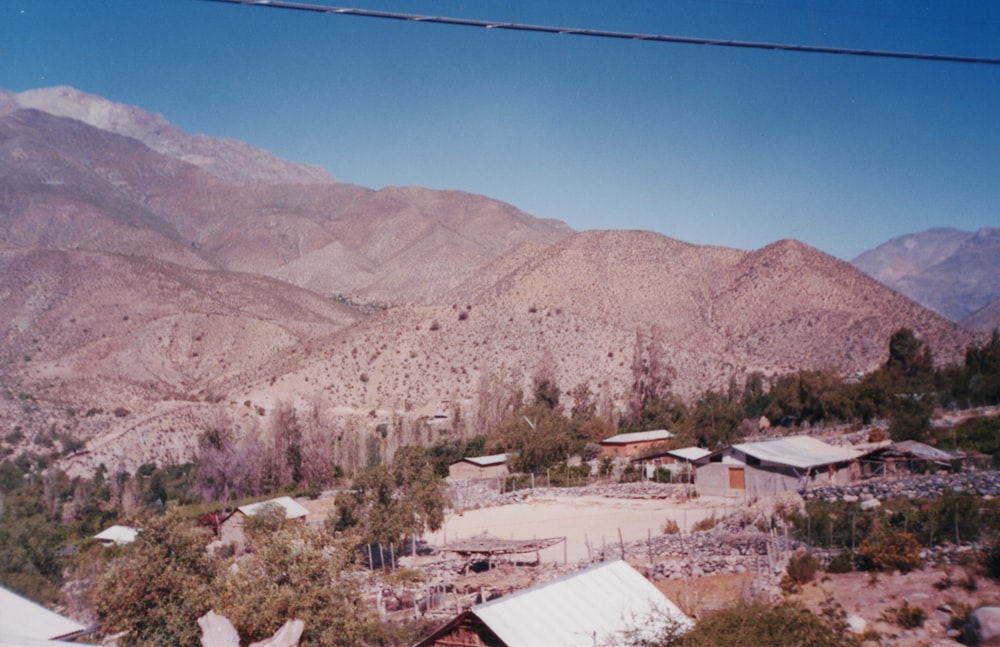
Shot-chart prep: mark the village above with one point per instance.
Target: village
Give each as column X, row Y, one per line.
column 580, row 564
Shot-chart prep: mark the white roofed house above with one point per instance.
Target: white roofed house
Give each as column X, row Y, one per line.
column 232, row 528
column 24, row 623
column 678, row 461
column 607, row 604
column 769, row 467
column 117, row 535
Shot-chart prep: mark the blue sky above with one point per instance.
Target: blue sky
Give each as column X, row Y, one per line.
column 708, row 145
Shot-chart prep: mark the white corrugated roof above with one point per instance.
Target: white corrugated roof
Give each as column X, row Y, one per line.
column 638, row 437
column 596, row 606
column 119, row 535
column 689, row 453
column 802, row 452
column 486, row 461
column 293, row 509
column 20, row 617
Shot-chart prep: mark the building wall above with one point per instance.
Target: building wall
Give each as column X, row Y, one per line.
column 463, row 470
column 713, row 479
column 629, row 450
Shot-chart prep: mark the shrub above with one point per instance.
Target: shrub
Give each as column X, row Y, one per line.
column 842, row 563
column 786, row 624
column 705, row 524
column 906, row 616
column 802, row 566
column 670, row 527
column 890, row 551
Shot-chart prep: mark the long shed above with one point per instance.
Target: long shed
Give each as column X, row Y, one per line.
column 769, row 467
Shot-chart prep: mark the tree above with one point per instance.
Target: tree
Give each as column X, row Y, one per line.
column 387, row 505
column 652, row 374
column 154, row 594
column 292, row 573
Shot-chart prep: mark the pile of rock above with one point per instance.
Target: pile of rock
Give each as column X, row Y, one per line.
column 911, row 486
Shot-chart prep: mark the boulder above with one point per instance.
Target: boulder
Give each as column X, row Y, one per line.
column 983, row 627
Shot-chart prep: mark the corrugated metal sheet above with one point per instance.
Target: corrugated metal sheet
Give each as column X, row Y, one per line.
column 486, row 461
column 596, row 606
column 118, row 535
column 293, row 509
column 638, row 437
column 802, row 452
column 689, row 453
column 20, row 618
column 921, row 451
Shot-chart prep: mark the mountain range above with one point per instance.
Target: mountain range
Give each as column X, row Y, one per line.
column 155, row 284
column 954, row 273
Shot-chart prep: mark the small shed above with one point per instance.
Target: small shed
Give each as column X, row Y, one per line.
column 633, row 444
column 231, row 531
column 610, row 603
column 769, row 467
column 23, row 622
column 678, row 461
column 117, row 535
column 909, row 457
column 479, row 467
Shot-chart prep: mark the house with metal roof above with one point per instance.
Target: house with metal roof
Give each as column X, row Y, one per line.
column 769, row 467
column 479, row 467
column 610, row 603
column 678, row 461
column 117, row 535
column 23, row 622
column 231, row 531
column 633, row 444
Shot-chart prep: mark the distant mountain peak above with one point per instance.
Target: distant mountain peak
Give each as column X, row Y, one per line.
column 233, row 161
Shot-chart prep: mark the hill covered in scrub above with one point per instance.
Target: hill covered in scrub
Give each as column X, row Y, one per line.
column 166, row 284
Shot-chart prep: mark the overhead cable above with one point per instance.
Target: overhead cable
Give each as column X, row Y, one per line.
column 598, row 33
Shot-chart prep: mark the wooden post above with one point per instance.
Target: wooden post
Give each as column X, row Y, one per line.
column 371, row 565
column 621, row 542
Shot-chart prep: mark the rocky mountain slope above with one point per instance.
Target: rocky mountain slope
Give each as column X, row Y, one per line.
column 147, row 298
column 955, row 273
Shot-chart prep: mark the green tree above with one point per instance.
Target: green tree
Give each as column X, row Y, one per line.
column 387, row 505
column 155, row 592
column 293, row 573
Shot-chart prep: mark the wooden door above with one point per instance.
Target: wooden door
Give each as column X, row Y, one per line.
column 737, row 478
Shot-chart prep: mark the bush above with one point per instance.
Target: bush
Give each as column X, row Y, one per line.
column 802, row 566
column 890, row 551
column 842, row 563
column 705, row 524
column 670, row 527
column 906, row 616
column 786, row 624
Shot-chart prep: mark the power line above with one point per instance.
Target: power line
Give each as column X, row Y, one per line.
column 621, row 35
